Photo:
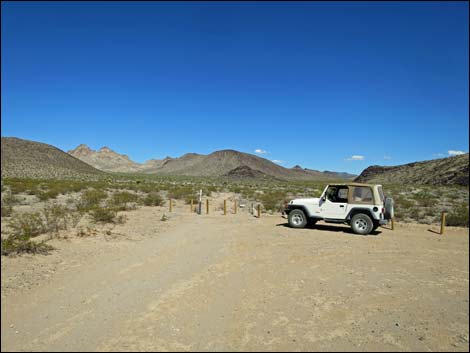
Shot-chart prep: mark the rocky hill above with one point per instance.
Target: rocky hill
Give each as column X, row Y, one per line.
column 29, row 159
column 105, row 159
column 219, row 163
column 443, row 171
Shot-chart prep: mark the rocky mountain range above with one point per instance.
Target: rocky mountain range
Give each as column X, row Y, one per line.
column 219, row 163
column 443, row 171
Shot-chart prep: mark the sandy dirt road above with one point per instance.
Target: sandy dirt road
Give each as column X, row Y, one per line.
column 239, row 283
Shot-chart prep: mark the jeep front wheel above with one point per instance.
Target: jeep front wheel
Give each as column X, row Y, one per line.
column 361, row 224
column 297, row 219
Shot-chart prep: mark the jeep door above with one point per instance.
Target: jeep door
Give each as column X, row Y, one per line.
column 334, row 203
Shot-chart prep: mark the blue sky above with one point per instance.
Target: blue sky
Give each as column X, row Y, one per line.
column 336, row 86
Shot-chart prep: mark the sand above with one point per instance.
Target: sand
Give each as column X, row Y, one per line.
column 235, row 282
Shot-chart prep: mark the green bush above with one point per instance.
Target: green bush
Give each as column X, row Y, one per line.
column 153, row 199
column 12, row 246
column 56, row 217
column 273, row 201
column 123, row 200
column 46, row 195
column 104, row 215
column 180, row 192
column 458, row 217
column 27, row 225
column 91, row 199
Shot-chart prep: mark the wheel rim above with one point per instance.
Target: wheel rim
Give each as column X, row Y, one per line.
column 297, row 219
column 361, row 224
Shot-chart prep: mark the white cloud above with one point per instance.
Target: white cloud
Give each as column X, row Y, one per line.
column 438, row 155
column 278, row 161
column 260, row 151
column 355, row 158
column 454, row 153
column 387, row 157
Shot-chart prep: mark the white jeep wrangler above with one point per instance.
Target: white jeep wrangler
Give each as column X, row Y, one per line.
column 363, row 206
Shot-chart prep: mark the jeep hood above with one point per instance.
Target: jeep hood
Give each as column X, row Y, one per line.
column 312, row 201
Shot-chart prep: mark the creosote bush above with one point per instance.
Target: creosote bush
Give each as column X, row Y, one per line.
column 153, row 199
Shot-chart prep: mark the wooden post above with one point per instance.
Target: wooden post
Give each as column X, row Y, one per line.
column 393, row 223
column 207, row 206
column 225, row 207
column 171, row 205
column 235, row 206
column 443, row 222
column 191, row 207
column 259, row 210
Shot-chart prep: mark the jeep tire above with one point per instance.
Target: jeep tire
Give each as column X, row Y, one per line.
column 361, row 224
column 297, row 219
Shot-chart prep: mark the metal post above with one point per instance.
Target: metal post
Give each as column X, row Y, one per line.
column 225, row 207
column 207, row 206
column 393, row 223
column 259, row 210
column 199, row 204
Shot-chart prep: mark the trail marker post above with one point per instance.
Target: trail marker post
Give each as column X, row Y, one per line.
column 199, row 205
column 225, row 207
column 207, row 206
column 259, row 210
column 443, row 222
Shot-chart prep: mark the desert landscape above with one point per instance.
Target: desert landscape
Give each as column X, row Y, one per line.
column 102, row 262
column 234, row 176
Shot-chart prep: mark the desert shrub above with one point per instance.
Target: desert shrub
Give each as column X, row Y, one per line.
column 6, row 211
column 56, row 217
column 13, row 246
column 273, row 201
column 8, row 201
column 27, row 225
column 153, row 199
column 46, row 195
column 91, row 199
column 414, row 214
column 124, row 200
column 403, row 203
column 458, row 217
column 180, row 192
column 104, row 215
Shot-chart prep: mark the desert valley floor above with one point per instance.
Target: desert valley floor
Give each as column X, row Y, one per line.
column 236, row 282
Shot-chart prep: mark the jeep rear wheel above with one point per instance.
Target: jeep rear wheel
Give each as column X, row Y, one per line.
column 297, row 219
column 361, row 224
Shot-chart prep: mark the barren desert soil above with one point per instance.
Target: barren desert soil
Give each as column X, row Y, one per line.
column 235, row 282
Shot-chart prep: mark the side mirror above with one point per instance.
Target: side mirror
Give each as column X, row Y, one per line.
column 323, row 198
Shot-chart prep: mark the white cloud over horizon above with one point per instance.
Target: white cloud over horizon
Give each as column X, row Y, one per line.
column 260, row 151
column 278, row 161
column 455, row 153
column 355, row 157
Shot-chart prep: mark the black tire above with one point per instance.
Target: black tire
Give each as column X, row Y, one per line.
column 297, row 219
column 361, row 224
